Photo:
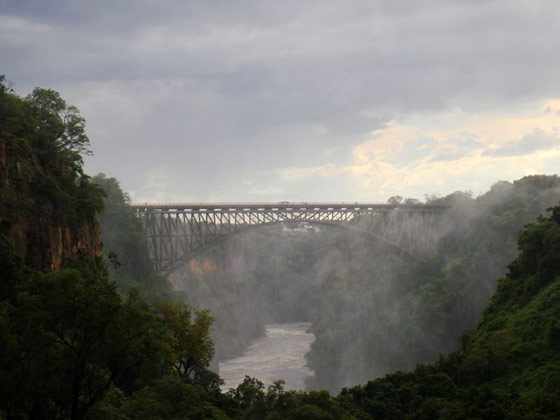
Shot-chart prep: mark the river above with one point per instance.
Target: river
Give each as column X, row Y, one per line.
column 278, row 355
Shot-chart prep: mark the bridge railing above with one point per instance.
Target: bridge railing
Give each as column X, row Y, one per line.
column 283, row 205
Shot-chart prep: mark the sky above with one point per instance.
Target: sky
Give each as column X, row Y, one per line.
column 259, row 101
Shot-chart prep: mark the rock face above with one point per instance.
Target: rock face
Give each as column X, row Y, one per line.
column 44, row 237
column 46, row 247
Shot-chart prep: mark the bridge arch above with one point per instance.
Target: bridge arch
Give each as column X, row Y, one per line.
column 178, row 232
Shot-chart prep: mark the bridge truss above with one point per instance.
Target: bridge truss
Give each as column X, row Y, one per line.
column 177, row 232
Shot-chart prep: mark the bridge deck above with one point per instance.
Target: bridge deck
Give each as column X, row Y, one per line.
column 216, row 207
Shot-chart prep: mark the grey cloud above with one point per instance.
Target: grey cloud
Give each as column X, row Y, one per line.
column 530, row 143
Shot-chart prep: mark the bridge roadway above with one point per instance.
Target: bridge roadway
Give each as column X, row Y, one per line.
column 179, row 231
column 285, row 205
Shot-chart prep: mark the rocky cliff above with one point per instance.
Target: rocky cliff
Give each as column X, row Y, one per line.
column 47, row 204
column 40, row 236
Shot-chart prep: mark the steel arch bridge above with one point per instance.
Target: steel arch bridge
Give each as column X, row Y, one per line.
column 178, row 232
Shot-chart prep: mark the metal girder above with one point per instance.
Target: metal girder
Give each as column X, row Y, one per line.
column 176, row 232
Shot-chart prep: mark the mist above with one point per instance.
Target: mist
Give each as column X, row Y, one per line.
column 371, row 312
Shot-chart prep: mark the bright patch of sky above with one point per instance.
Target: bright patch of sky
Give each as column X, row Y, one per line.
column 436, row 152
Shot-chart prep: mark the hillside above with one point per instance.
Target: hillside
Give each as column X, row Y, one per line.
column 125, row 245
column 69, row 339
column 509, row 366
column 48, row 204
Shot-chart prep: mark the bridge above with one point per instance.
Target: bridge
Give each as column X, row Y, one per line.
column 178, row 231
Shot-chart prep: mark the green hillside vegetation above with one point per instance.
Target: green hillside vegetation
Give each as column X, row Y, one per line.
column 508, row 367
column 375, row 315
column 516, row 345
column 69, row 340
column 125, row 246
column 70, row 343
column 47, row 200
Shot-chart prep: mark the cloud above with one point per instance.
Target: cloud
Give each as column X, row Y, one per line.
column 529, row 143
column 20, row 32
column 323, row 95
column 327, row 170
column 412, row 158
column 266, row 191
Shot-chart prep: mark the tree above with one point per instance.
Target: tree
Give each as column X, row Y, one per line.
column 170, row 398
column 250, row 396
column 185, row 341
column 395, row 200
column 76, row 338
column 61, row 121
column 6, row 85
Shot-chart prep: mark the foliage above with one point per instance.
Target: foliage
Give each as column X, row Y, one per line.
column 44, row 139
column 509, row 366
column 186, row 342
column 70, row 343
column 374, row 315
column 169, row 398
column 58, row 121
column 88, row 353
column 125, row 244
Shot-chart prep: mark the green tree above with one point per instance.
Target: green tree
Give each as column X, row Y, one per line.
column 395, row 199
column 250, row 397
column 76, row 339
column 170, row 398
column 59, row 120
column 185, row 338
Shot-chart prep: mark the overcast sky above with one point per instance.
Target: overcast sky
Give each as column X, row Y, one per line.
column 298, row 100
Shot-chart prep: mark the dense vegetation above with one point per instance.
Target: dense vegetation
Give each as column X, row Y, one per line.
column 119, row 360
column 125, row 246
column 68, row 339
column 375, row 316
column 70, row 342
column 73, row 346
column 47, row 200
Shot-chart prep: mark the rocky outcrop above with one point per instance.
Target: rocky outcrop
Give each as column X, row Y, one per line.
column 41, row 236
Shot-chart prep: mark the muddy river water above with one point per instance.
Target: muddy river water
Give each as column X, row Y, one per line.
column 278, row 355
